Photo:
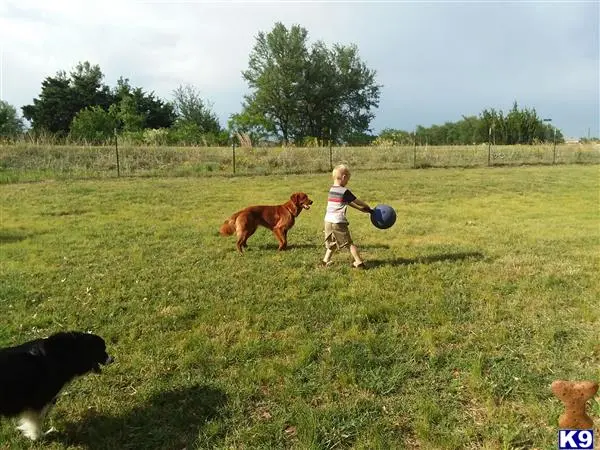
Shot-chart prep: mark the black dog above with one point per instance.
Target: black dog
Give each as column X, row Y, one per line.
column 33, row 374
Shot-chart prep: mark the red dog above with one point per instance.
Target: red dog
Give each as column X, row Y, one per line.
column 277, row 218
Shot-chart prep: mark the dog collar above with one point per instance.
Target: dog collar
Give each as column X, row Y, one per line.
column 291, row 212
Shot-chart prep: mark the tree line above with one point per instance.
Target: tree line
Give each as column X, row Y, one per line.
column 298, row 93
column 518, row 126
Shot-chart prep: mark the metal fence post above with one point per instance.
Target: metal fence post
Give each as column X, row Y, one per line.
column 117, row 152
column 233, row 151
column 330, row 153
column 489, row 146
column 415, row 151
column 554, row 150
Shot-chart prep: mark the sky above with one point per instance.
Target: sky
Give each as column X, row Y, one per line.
column 436, row 60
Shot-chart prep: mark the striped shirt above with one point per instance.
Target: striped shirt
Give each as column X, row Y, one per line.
column 337, row 203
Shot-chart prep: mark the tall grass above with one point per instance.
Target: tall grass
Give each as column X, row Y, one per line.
column 28, row 162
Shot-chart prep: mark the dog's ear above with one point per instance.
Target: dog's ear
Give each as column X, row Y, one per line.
column 296, row 197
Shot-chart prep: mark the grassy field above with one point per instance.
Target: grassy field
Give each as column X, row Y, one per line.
column 26, row 162
column 484, row 292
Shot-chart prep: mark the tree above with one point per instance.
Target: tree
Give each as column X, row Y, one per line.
column 93, row 125
column 276, row 74
column 255, row 126
column 355, row 94
column 395, row 137
column 519, row 126
column 297, row 93
column 63, row 96
column 134, row 103
column 127, row 116
column 11, row 124
column 190, row 108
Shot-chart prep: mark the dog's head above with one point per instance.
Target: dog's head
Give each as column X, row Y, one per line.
column 301, row 200
column 78, row 352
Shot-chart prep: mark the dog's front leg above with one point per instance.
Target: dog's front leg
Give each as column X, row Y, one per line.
column 30, row 424
column 281, row 236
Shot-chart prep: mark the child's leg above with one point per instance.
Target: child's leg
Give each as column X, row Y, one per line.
column 328, row 254
column 354, row 252
column 330, row 243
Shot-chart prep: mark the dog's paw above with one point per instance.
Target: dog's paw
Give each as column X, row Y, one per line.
column 50, row 431
column 30, row 431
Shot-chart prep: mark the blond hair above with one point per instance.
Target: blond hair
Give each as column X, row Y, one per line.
column 340, row 170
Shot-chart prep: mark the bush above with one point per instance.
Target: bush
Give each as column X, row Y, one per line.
column 11, row 126
column 185, row 133
column 92, row 125
column 156, row 136
column 189, row 133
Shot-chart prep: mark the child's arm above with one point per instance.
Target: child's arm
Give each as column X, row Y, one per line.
column 361, row 206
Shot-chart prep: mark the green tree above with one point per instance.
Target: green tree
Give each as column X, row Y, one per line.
column 190, row 108
column 11, row 125
column 154, row 112
column 297, row 92
column 396, row 137
column 93, row 125
column 251, row 123
column 63, row 96
column 126, row 113
column 275, row 74
column 519, row 126
column 356, row 94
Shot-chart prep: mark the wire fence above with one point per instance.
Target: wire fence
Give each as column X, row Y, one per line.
column 22, row 162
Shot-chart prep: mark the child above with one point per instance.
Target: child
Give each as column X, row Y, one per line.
column 337, row 235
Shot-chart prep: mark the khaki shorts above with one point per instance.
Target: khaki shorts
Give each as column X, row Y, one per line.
column 337, row 235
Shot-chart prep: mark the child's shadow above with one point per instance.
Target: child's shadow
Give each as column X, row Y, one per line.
column 426, row 259
column 168, row 420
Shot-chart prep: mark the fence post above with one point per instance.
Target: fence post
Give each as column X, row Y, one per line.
column 554, row 150
column 233, row 151
column 415, row 151
column 489, row 146
column 330, row 153
column 117, row 152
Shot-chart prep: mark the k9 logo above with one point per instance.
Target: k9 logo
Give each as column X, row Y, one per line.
column 575, row 439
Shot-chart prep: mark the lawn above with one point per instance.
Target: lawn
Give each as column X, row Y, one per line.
column 484, row 291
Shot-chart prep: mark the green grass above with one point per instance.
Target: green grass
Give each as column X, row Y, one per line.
column 484, row 292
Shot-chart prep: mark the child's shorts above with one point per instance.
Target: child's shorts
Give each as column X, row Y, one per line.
column 337, row 235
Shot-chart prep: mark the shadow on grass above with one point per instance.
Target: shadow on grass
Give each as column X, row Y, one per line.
column 60, row 213
column 168, row 420
column 426, row 259
column 316, row 246
column 10, row 236
column 290, row 246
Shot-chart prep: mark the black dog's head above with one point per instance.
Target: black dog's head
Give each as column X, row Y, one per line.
column 77, row 352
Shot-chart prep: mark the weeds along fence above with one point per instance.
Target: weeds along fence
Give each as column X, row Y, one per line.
column 26, row 162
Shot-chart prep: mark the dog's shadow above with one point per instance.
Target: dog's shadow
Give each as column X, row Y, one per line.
column 289, row 246
column 427, row 259
column 168, row 420
column 315, row 246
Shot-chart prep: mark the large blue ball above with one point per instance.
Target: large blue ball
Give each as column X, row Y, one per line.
column 383, row 216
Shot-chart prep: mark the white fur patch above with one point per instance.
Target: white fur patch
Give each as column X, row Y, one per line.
column 30, row 425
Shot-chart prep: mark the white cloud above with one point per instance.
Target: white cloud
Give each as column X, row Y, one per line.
column 436, row 61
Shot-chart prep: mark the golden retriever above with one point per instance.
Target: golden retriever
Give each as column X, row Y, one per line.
column 277, row 218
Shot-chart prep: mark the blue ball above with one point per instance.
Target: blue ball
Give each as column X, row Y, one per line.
column 383, row 216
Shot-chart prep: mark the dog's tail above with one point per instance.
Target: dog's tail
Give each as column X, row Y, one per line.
column 228, row 227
